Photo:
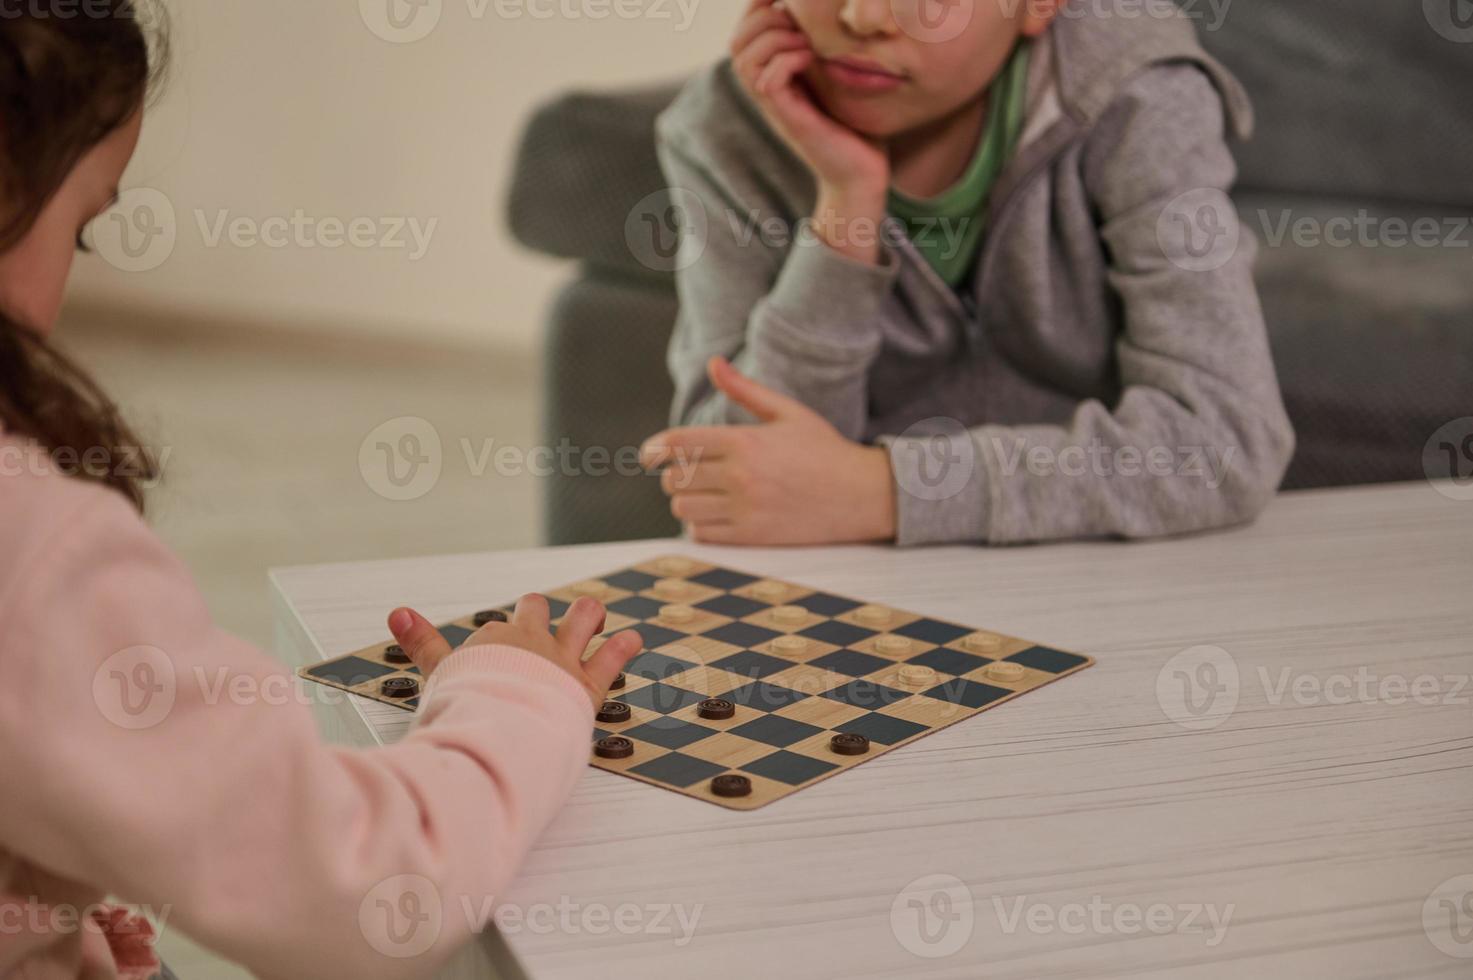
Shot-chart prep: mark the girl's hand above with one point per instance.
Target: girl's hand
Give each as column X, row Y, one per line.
column 529, row 630
column 770, row 54
column 792, row 480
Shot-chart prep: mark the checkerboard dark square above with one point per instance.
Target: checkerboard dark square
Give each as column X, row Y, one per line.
column 656, row 636
column 412, row 703
column 851, row 662
column 599, row 733
column 837, row 633
column 675, row 769
column 882, row 728
column 456, row 635
column 724, row 578
column 631, row 581
column 752, row 665
column 969, row 694
column 776, row 730
column 656, row 666
column 1047, row 659
column 741, row 634
column 764, row 697
column 789, row 767
column 932, row 631
column 866, row 694
column 670, row 733
column 660, row 697
column 637, row 607
column 949, row 661
column 734, row 606
column 350, row 671
column 823, row 604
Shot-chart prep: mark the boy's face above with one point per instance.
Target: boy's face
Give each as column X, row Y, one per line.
column 887, row 67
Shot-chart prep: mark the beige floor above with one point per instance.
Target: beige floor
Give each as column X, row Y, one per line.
column 263, row 438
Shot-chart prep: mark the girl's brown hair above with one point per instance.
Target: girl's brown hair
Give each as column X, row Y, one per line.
column 70, row 74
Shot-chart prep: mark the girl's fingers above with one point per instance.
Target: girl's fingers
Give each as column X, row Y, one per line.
column 419, row 638
column 751, row 62
column 609, row 660
column 698, row 508
column 584, row 619
column 532, row 614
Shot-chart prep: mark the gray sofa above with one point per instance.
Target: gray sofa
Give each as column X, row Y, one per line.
column 1363, row 124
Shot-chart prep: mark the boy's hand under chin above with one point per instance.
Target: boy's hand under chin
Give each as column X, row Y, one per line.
column 790, row 480
column 770, row 54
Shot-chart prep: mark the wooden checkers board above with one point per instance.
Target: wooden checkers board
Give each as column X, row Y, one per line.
column 759, row 686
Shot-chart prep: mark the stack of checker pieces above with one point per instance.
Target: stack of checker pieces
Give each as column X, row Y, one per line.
column 750, row 689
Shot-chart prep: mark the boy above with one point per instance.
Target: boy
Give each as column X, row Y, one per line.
column 1016, row 304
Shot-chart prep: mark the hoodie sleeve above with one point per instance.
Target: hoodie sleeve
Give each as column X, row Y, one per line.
column 1199, row 437
column 155, row 757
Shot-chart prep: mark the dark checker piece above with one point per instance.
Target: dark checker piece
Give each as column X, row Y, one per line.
column 455, row 635
column 967, row 693
column 675, row 769
column 789, row 767
column 742, row 634
column 395, row 654
column 1047, row 659
column 764, row 697
column 656, row 666
column 776, row 730
column 823, row 604
column 721, row 578
column 866, row 694
column 849, row 743
column 613, row 747
column 400, row 687
column 637, row 607
column 732, row 605
column 731, row 785
column 665, row 732
column 620, row 683
column 490, row 616
column 717, row 709
column 837, row 633
column 350, row 671
column 851, row 662
column 751, row 664
column 631, row 581
column 661, row 697
column 612, row 713
column 932, row 631
column 883, row 728
column 949, row 661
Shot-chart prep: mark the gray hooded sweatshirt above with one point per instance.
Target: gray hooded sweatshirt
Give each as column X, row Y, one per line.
column 1105, row 371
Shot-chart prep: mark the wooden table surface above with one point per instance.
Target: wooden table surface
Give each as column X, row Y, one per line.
column 1269, row 772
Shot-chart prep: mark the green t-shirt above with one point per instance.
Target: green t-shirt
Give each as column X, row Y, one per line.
column 948, row 229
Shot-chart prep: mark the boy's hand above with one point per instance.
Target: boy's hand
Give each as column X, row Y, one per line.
column 792, row 480
column 770, row 54
column 529, row 630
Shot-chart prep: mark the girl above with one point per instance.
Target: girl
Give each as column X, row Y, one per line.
column 280, row 852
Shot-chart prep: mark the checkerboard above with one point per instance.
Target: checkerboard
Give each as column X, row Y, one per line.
column 795, row 666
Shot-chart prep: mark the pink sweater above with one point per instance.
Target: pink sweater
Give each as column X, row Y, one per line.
column 223, row 808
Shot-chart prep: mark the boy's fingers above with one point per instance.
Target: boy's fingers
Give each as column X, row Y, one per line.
column 419, row 638
column 766, row 47
column 584, row 618
column 684, row 447
column 610, row 659
column 694, row 479
column 717, row 532
column 761, row 401
column 532, row 613
column 780, row 70
column 698, row 508
column 755, row 24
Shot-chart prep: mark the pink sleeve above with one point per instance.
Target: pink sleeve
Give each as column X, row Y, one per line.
column 153, row 756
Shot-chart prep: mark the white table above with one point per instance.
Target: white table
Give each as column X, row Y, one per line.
column 1320, row 823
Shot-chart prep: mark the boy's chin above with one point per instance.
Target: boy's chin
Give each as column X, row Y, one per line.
column 878, row 122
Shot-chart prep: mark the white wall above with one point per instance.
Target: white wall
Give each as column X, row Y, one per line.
column 276, row 106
